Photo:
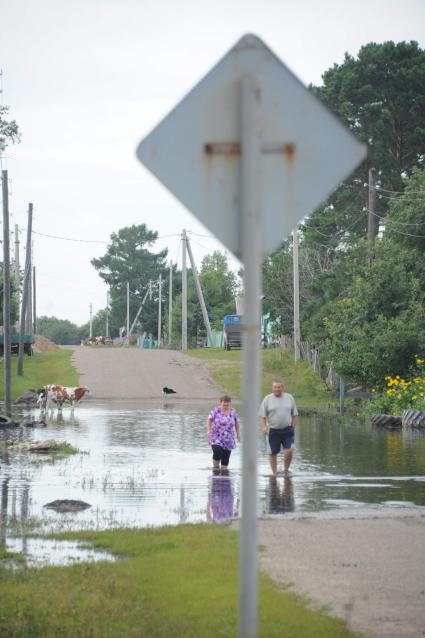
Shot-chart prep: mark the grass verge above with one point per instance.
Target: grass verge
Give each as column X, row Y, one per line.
column 174, row 581
column 53, row 366
column 300, row 380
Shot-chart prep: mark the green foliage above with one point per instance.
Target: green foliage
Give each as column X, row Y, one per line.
column 129, row 260
column 172, row 581
column 377, row 323
column 54, row 366
column 9, row 131
column 60, row 331
column 405, row 222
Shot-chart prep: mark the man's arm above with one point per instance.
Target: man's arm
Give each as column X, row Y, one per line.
column 263, row 424
column 294, row 421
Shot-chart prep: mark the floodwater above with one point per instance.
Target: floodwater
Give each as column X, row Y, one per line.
column 150, row 464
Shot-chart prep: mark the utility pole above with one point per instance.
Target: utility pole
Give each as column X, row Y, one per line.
column 34, row 305
column 128, row 315
column 28, row 318
column 139, row 311
column 107, row 314
column 297, row 331
column 27, row 279
column 6, row 298
column 184, row 292
column 371, row 216
column 199, row 291
column 159, row 309
column 91, row 321
column 170, row 304
column 17, row 268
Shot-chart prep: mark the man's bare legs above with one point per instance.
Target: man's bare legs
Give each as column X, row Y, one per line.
column 273, row 463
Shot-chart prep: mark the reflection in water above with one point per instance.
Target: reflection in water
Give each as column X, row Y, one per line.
column 221, row 498
column 3, row 510
column 280, row 495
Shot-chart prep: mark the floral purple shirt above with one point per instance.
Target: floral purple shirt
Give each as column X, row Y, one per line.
column 223, row 428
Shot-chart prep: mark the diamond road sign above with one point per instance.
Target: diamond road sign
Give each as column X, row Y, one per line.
column 305, row 151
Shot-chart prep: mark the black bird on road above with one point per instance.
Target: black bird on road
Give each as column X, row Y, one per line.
column 166, row 391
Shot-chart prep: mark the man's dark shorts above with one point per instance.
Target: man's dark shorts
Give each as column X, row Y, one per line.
column 284, row 438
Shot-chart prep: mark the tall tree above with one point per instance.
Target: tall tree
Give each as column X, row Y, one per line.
column 129, row 260
column 380, row 96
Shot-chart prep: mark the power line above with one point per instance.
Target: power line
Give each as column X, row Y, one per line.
column 403, row 198
column 386, row 190
column 87, row 241
column 395, row 221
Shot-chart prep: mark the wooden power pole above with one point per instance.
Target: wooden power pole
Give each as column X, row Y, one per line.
column 371, row 232
column 184, row 291
column 25, row 292
column 297, row 331
column 6, row 298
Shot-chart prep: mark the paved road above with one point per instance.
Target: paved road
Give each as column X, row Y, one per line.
column 136, row 373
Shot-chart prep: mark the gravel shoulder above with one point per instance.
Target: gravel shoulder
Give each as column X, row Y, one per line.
column 137, row 373
column 369, row 571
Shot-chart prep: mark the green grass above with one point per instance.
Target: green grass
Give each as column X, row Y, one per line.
column 54, row 366
column 300, row 380
column 174, row 581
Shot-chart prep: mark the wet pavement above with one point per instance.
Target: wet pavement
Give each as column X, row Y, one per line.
column 149, row 464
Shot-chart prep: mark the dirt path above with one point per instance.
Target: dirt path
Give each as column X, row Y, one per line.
column 136, row 373
column 371, row 571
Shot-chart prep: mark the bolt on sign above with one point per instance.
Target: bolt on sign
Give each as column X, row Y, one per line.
column 305, row 151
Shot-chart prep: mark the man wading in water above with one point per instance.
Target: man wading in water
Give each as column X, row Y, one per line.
column 278, row 418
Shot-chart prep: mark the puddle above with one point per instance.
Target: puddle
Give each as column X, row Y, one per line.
column 45, row 551
column 149, row 465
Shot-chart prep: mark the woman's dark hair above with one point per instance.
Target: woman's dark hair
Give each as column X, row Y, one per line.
column 226, row 398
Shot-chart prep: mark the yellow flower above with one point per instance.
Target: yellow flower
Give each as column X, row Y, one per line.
column 414, row 398
column 398, row 396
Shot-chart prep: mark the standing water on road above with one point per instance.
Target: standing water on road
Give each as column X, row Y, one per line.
column 150, row 464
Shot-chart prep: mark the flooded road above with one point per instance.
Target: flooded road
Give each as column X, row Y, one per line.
column 150, row 465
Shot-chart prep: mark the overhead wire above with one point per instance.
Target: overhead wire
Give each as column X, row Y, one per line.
column 387, row 190
column 395, row 221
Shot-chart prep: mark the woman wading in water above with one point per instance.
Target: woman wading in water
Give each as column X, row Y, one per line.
column 223, row 431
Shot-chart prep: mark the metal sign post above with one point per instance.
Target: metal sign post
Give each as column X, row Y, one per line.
column 250, row 190
column 255, row 152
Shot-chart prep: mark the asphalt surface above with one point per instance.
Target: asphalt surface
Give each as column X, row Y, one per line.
column 137, row 373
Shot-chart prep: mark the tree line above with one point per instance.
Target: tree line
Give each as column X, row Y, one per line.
column 366, row 315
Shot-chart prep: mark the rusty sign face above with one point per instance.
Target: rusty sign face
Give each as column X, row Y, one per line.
column 305, row 150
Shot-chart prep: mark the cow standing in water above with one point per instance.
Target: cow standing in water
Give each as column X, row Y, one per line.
column 54, row 394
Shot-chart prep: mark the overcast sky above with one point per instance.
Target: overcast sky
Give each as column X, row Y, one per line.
column 86, row 80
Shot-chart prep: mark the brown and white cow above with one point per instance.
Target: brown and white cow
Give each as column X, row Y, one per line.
column 56, row 395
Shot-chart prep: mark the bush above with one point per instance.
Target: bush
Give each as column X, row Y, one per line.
column 398, row 394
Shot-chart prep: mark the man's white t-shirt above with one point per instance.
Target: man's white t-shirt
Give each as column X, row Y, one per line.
column 278, row 411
